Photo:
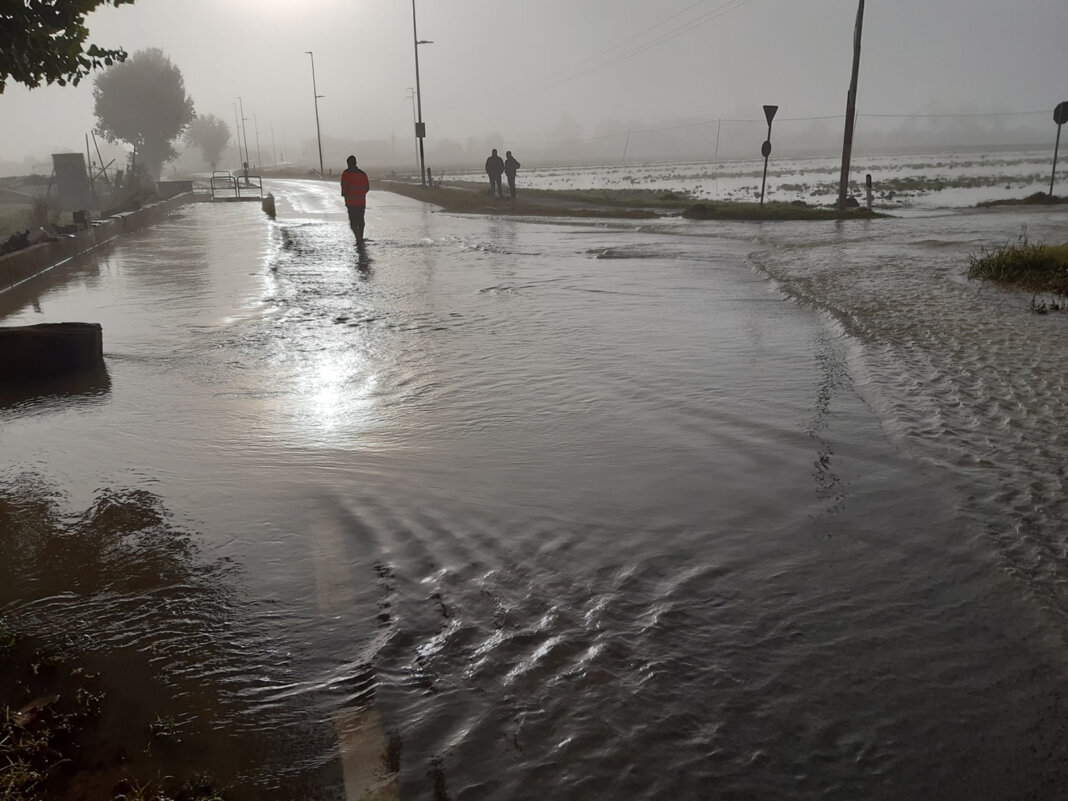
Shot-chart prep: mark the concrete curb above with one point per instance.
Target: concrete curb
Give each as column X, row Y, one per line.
column 22, row 265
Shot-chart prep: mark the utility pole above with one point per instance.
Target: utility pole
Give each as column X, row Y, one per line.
column 851, row 111
column 315, row 92
column 420, row 127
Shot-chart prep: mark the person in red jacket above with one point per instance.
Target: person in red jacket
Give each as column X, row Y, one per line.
column 354, row 188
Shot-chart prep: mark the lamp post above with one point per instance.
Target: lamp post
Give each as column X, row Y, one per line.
column 244, row 130
column 256, row 128
column 420, row 127
column 315, row 92
column 411, row 96
column 237, row 132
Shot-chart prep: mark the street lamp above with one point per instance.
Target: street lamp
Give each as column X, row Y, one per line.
column 244, row 130
column 237, row 132
column 420, row 128
column 256, row 128
column 318, row 134
column 411, row 96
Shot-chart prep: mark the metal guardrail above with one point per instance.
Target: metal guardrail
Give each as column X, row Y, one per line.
column 240, row 187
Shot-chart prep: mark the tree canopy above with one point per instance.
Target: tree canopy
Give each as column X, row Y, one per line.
column 44, row 41
column 143, row 102
column 211, row 135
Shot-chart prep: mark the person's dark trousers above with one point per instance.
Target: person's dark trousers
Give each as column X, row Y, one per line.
column 495, row 186
column 511, row 186
column 356, row 218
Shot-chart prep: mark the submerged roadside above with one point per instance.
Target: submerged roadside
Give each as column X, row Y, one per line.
column 26, row 263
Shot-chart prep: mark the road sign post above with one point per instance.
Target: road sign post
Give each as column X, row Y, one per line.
column 1060, row 116
column 765, row 149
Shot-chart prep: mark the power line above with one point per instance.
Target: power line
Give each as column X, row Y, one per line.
column 762, row 121
column 970, row 114
column 625, row 41
column 674, row 33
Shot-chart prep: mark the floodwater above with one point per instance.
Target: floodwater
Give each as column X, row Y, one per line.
column 924, row 181
column 508, row 509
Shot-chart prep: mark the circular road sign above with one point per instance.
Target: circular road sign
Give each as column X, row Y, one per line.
column 765, row 149
column 1060, row 114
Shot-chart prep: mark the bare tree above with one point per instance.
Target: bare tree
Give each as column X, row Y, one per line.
column 143, row 102
column 211, row 135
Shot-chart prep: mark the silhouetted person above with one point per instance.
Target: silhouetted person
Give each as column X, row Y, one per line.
column 354, row 188
column 494, row 169
column 511, row 166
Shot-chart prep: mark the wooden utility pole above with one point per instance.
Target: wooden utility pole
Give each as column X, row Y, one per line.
column 851, row 111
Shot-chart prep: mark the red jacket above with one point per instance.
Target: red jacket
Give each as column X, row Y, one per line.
column 354, row 187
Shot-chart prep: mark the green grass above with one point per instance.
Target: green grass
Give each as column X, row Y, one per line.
column 1021, row 265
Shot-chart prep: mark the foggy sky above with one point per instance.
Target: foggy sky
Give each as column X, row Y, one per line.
column 530, row 71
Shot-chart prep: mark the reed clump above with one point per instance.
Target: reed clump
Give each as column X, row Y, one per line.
column 1023, row 265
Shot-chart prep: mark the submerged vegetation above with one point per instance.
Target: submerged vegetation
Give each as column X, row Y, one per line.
column 81, row 715
column 1040, row 269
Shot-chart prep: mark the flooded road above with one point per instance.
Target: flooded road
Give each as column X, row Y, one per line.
column 511, row 510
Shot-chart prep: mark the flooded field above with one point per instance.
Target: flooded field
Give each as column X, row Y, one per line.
column 949, row 180
column 517, row 510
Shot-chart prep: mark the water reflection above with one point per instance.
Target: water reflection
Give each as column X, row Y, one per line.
column 121, row 591
column 631, row 530
column 78, row 390
column 335, row 389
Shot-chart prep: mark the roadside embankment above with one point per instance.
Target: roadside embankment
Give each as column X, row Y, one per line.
column 24, row 264
column 475, row 199
column 472, row 198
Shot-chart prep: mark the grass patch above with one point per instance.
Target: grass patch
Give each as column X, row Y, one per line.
column 1037, row 199
column 1021, row 265
column 772, row 211
column 471, row 198
column 467, row 197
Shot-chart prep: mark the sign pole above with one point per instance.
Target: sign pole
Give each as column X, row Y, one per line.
column 1060, row 116
column 765, row 149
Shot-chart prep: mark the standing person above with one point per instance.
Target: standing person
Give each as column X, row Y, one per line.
column 354, row 188
column 511, row 166
column 494, row 169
